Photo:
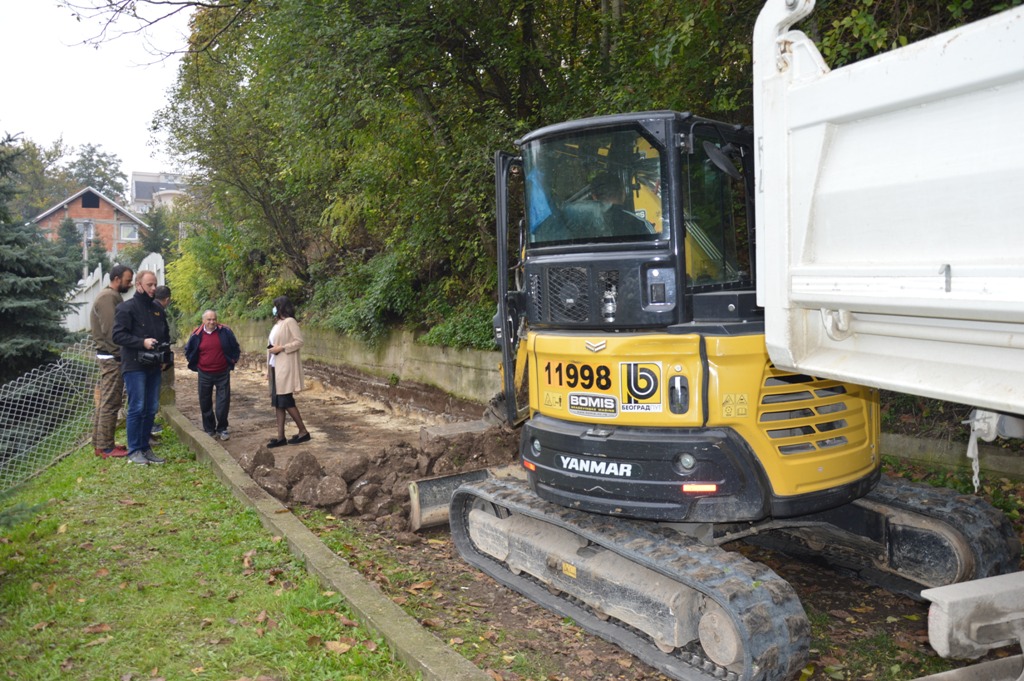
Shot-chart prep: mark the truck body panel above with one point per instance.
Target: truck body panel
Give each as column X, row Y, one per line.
column 890, row 233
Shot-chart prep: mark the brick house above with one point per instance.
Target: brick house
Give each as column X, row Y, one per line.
column 96, row 216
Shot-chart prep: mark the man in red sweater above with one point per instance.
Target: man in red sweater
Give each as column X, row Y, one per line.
column 212, row 350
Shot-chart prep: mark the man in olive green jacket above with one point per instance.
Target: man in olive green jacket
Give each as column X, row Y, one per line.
column 110, row 390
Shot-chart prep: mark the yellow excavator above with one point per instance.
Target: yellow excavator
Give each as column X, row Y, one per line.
column 656, row 430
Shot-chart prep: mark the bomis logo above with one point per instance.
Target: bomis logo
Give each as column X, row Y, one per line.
column 590, row 404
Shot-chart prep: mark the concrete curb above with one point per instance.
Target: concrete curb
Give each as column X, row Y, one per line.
column 993, row 460
column 420, row 650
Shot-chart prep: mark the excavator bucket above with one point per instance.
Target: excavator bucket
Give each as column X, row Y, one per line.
column 430, row 497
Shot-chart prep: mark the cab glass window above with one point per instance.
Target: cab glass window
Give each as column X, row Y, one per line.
column 594, row 187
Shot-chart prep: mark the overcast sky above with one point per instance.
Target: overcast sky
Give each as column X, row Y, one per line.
column 51, row 86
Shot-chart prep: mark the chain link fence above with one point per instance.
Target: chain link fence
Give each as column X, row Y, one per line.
column 47, row 413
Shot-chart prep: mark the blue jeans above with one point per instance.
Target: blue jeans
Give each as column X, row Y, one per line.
column 143, row 402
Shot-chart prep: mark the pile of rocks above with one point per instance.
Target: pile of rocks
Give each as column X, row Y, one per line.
column 345, row 486
column 375, row 488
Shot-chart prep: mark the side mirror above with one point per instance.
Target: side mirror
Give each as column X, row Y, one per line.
column 721, row 159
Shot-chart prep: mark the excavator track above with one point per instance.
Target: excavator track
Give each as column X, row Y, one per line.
column 721, row 616
column 918, row 536
column 995, row 547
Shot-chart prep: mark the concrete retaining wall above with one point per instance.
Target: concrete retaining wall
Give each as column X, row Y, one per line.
column 467, row 374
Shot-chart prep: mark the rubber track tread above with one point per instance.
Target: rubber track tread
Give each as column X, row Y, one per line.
column 989, row 533
column 765, row 610
column 993, row 544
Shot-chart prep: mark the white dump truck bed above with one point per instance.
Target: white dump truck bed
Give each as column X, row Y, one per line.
column 890, row 209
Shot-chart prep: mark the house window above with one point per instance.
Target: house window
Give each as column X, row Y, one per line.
column 86, row 228
column 129, row 231
column 90, row 200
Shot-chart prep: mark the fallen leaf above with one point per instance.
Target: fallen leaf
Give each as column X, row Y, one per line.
column 370, row 646
column 99, row 641
column 62, row 529
column 103, row 572
column 495, row 675
column 337, row 647
column 419, row 586
column 98, row 628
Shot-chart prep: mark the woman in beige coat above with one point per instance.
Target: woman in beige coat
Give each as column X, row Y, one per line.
column 285, row 371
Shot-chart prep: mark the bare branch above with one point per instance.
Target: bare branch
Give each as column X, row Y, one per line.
column 116, row 19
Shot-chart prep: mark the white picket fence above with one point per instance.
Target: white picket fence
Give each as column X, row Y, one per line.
column 78, row 318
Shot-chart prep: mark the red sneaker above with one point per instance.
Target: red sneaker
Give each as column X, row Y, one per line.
column 115, row 451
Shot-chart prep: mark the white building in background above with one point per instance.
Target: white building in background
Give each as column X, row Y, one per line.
column 152, row 190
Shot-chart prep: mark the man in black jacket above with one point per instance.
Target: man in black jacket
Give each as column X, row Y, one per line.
column 140, row 326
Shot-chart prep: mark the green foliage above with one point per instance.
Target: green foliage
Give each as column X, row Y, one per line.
column 466, row 326
column 160, row 235
column 99, row 170
column 367, row 299
column 34, row 283
column 42, row 180
column 98, row 257
column 132, row 255
column 15, row 513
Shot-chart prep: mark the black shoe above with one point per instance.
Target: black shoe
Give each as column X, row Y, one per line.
column 152, row 457
column 277, row 443
column 297, row 439
column 138, row 457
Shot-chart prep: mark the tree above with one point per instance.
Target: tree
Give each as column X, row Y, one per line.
column 33, row 284
column 99, row 170
column 42, row 180
column 158, row 238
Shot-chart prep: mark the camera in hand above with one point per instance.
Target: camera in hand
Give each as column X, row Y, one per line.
column 160, row 354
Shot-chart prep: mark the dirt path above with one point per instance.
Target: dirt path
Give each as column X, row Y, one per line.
column 341, row 414
column 351, row 416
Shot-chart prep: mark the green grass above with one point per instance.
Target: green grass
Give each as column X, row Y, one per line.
column 158, row 572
